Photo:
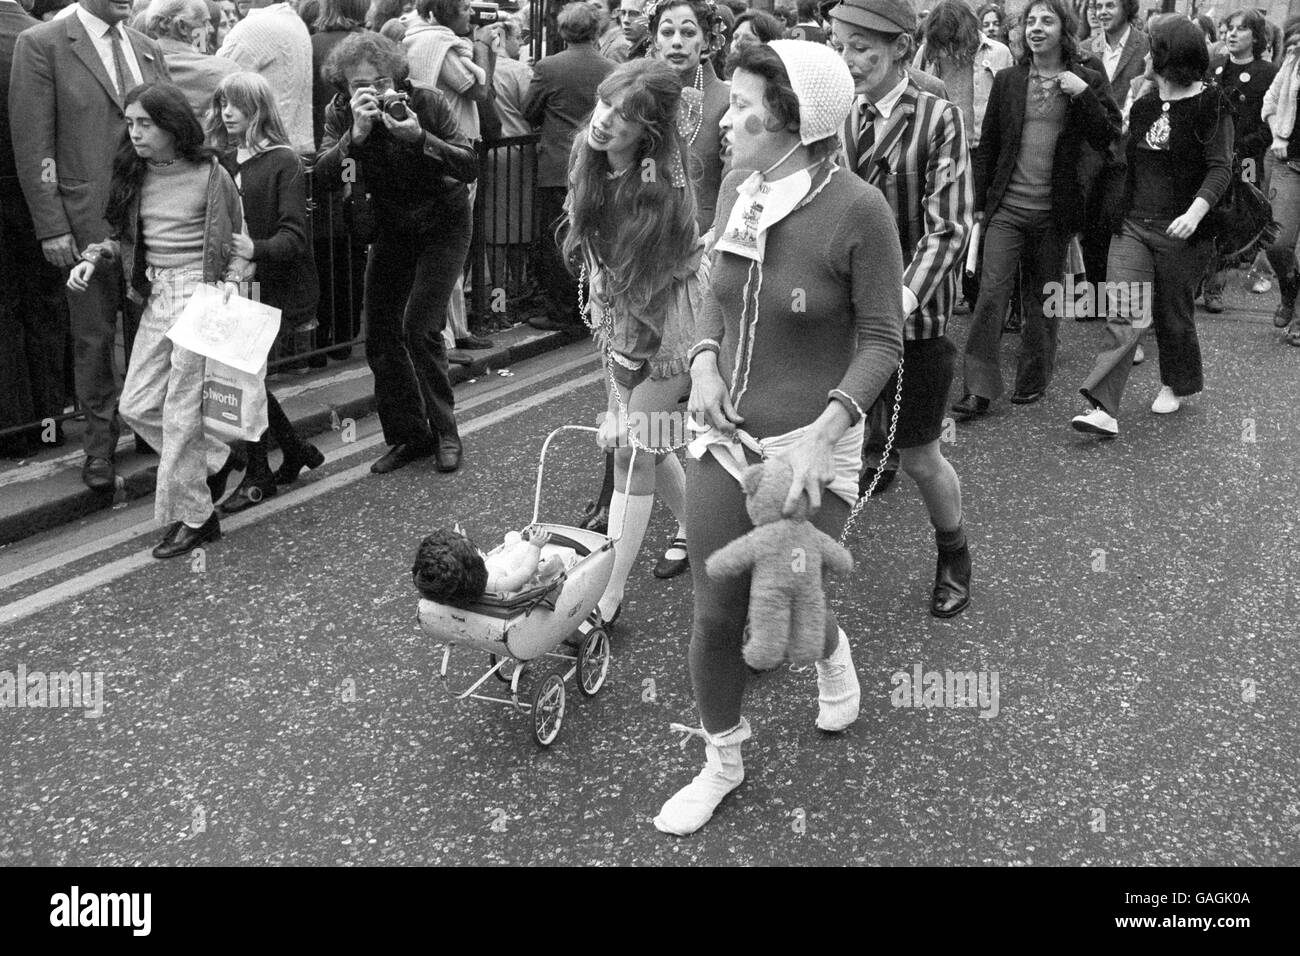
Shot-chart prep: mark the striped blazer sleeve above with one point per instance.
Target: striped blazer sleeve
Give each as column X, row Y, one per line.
column 947, row 200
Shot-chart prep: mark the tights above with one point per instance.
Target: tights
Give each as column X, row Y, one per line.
column 715, row 515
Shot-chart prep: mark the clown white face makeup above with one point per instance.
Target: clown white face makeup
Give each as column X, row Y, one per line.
column 874, row 60
column 747, row 126
column 613, row 133
column 680, row 40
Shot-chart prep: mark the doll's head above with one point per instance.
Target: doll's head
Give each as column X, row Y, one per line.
column 449, row 569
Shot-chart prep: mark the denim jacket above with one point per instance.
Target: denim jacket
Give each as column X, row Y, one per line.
column 223, row 218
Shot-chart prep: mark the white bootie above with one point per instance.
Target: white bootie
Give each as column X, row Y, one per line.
column 692, row 806
column 838, row 694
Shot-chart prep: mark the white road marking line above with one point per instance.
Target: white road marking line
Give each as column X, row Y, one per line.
column 114, row 570
column 57, row 553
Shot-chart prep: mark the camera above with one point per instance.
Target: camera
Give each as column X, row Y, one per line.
column 394, row 104
column 482, row 13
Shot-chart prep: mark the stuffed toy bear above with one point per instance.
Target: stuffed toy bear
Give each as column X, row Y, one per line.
column 785, row 558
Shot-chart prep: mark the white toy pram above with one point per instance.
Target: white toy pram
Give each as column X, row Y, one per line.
column 527, row 628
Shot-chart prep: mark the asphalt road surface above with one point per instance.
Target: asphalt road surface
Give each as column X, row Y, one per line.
column 278, row 703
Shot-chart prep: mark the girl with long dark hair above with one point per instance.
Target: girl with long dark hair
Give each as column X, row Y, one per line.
column 632, row 222
column 245, row 127
column 174, row 213
column 1179, row 165
column 1029, row 195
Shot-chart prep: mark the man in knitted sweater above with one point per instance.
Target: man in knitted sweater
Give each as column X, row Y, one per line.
column 273, row 42
column 911, row 146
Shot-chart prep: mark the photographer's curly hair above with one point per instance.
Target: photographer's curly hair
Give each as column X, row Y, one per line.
column 170, row 111
column 648, row 215
column 365, row 47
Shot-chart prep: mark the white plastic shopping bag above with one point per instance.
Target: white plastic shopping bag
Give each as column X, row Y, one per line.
column 234, row 402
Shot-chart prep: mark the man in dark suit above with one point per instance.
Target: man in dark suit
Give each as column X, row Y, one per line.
column 1121, row 46
column 560, row 98
column 65, row 105
column 33, row 311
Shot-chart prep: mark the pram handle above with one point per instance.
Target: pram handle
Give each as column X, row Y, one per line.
column 541, row 465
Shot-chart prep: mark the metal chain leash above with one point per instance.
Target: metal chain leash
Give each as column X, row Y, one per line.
column 884, row 458
column 605, row 328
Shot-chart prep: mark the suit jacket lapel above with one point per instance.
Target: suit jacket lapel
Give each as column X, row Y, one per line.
column 1130, row 50
column 84, row 48
column 149, row 66
column 888, row 141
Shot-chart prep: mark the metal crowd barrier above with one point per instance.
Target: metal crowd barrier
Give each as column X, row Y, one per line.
column 502, row 257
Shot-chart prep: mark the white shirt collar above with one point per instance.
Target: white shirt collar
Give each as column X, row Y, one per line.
column 885, row 105
column 94, row 26
column 1122, row 40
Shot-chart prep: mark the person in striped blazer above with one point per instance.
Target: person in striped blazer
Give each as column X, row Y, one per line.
column 911, row 145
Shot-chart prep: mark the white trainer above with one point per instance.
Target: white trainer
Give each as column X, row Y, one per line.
column 1139, row 356
column 692, row 806
column 1166, row 402
column 1096, row 422
column 838, row 693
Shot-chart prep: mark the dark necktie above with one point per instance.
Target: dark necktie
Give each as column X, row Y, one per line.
column 119, row 64
column 866, row 135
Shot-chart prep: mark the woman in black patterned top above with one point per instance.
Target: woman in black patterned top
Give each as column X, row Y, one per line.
column 1245, row 77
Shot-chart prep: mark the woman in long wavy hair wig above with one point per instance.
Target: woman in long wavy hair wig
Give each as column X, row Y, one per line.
column 626, row 232
column 635, row 229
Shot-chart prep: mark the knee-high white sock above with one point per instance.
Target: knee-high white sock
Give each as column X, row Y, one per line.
column 632, row 513
column 670, row 486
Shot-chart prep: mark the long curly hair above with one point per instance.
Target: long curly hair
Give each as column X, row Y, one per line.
column 635, row 236
column 951, row 31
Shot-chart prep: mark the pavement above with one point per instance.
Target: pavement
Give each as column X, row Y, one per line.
column 276, row 702
column 46, row 491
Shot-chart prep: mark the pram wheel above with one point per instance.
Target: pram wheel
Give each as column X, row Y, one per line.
column 548, row 709
column 593, row 662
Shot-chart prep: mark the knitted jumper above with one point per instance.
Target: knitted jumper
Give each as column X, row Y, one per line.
column 829, row 322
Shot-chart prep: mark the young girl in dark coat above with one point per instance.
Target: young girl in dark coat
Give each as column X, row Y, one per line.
column 244, row 125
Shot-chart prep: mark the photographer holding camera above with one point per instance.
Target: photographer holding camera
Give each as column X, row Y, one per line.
column 399, row 149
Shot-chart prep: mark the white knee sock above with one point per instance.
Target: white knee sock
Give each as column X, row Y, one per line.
column 670, row 486
column 632, row 513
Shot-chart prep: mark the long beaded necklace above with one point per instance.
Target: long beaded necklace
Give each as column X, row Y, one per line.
column 694, row 106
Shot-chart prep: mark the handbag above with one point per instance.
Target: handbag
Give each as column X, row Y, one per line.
column 1242, row 220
